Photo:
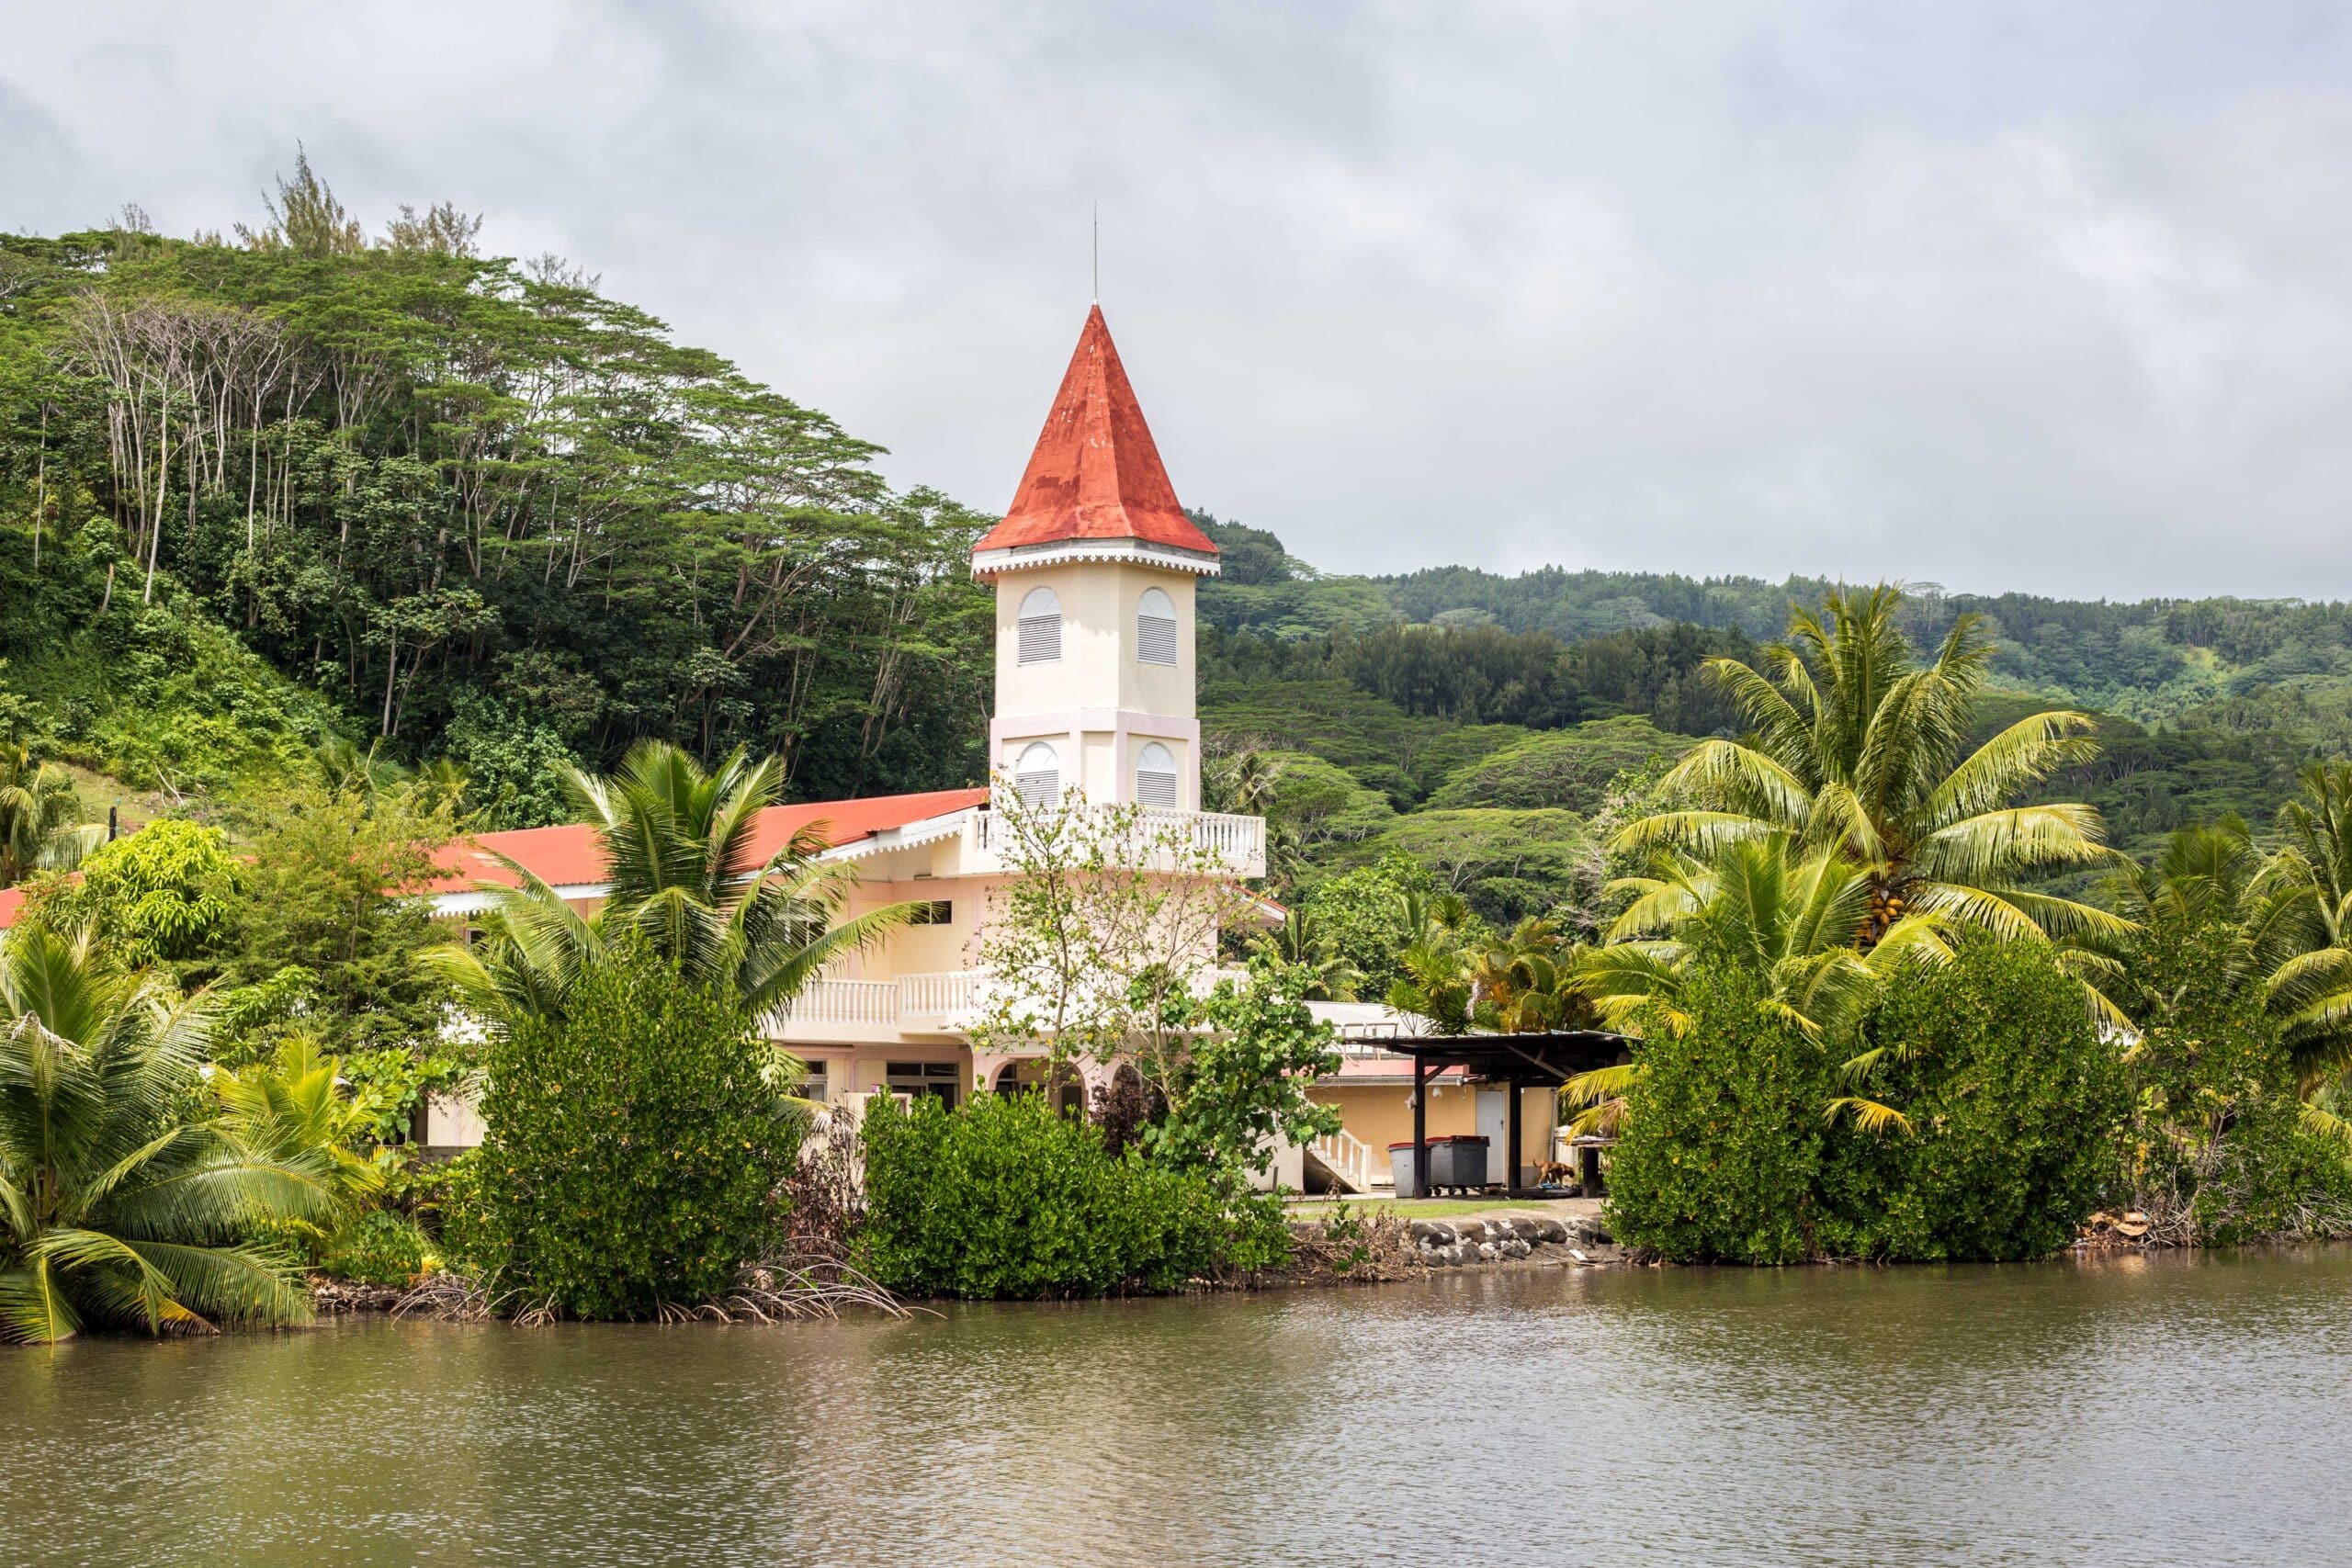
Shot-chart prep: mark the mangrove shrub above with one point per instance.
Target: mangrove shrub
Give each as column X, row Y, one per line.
column 1721, row 1154
column 1007, row 1198
column 2009, row 1103
column 634, row 1144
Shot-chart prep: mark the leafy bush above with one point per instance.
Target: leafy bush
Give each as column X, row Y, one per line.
column 1722, row 1149
column 1008, row 1198
column 1238, row 1093
column 2218, row 1136
column 446, row 1200
column 635, row 1146
column 2014, row 1103
column 376, row 1248
column 165, row 895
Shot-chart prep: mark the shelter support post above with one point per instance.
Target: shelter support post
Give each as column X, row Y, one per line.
column 1421, row 1129
column 1510, row 1138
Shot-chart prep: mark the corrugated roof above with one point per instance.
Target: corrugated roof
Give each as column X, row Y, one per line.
column 1095, row 472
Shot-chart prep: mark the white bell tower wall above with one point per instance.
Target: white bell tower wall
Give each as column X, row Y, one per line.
column 1105, row 684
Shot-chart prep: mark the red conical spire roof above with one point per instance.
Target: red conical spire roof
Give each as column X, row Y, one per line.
column 1096, row 474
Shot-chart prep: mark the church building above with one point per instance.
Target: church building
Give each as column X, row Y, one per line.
column 1095, row 567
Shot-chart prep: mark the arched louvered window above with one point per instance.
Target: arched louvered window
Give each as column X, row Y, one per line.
column 1040, row 630
column 1155, row 776
column 1037, row 776
column 1155, row 628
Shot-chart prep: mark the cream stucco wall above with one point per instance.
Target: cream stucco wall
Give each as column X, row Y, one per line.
column 1378, row 1115
column 1098, row 706
column 1097, row 668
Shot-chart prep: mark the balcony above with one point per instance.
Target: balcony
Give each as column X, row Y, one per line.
column 1237, row 843
column 912, row 1006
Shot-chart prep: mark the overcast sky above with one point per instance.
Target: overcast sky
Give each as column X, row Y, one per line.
column 2053, row 297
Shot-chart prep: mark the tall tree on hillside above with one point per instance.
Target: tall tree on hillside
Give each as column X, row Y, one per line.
column 684, row 875
column 1856, row 748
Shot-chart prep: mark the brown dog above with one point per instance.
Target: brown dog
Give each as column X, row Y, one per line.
column 1555, row 1173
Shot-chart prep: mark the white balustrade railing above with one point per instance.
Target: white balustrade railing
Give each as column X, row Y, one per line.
column 845, row 1001
column 948, row 995
column 937, row 996
column 1238, row 840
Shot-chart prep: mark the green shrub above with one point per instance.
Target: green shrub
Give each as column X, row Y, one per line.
column 2014, row 1102
column 376, row 1248
column 634, row 1146
column 1007, row 1198
column 444, row 1198
column 1722, row 1148
column 2218, row 1133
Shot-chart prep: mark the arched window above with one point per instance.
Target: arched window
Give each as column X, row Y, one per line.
column 1038, row 774
column 1155, row 776
column 1155, row 628
column 1041, row 628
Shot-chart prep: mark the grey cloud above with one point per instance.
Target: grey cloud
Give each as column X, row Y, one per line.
column 2007, row 296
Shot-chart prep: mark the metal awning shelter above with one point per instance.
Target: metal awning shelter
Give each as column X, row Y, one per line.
column 1520, row 1061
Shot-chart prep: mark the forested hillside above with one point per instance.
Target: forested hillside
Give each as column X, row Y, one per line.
column 308, row 483
column 465, row 507
column 1409, row 684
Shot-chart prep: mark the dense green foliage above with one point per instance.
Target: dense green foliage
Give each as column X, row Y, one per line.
column 2007, row 1107
column 1005, row 1198
column 1721, row 1157
column 635, row 1143
column 171, row 895
column 2220, row 1143
column 2012, row 1103
column 122, row 1203
column 1238, row 1094
column 478, row 507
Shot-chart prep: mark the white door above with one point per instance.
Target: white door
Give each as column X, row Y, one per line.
column 1490, row 1117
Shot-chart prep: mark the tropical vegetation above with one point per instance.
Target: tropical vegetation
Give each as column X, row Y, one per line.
column 121, row 1203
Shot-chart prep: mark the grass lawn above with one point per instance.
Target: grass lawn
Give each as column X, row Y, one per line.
column 1412, row 1208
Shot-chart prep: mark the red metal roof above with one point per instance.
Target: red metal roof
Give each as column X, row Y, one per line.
column 12, row 904
column 573, row 854
column 1095, row 473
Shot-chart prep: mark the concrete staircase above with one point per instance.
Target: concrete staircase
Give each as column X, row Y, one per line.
column 1347, row 1164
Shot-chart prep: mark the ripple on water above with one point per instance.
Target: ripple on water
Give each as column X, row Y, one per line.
column 2166, row 1411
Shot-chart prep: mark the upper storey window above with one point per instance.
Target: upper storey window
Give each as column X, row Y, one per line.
column 1155, row 628
column 1040, row 637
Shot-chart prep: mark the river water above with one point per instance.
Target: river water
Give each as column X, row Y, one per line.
column 2194, row 1410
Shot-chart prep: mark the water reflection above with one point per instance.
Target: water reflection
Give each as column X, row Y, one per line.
column 2180, row 1410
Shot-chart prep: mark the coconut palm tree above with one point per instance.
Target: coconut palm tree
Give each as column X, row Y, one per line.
column 1528, row 978
column 115, row 1207
column 1302, row 943
column 40, row 826
column 683, row 873
column 293, row 1106
column 2283, row 949
column 1760, row 903
column 2315, row 864
column 1855, row 748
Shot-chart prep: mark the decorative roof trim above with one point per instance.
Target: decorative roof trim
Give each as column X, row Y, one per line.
column 930, row 830
column 480, row 900
column 1136, row 552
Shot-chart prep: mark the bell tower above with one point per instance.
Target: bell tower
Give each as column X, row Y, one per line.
column 1095, row 566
